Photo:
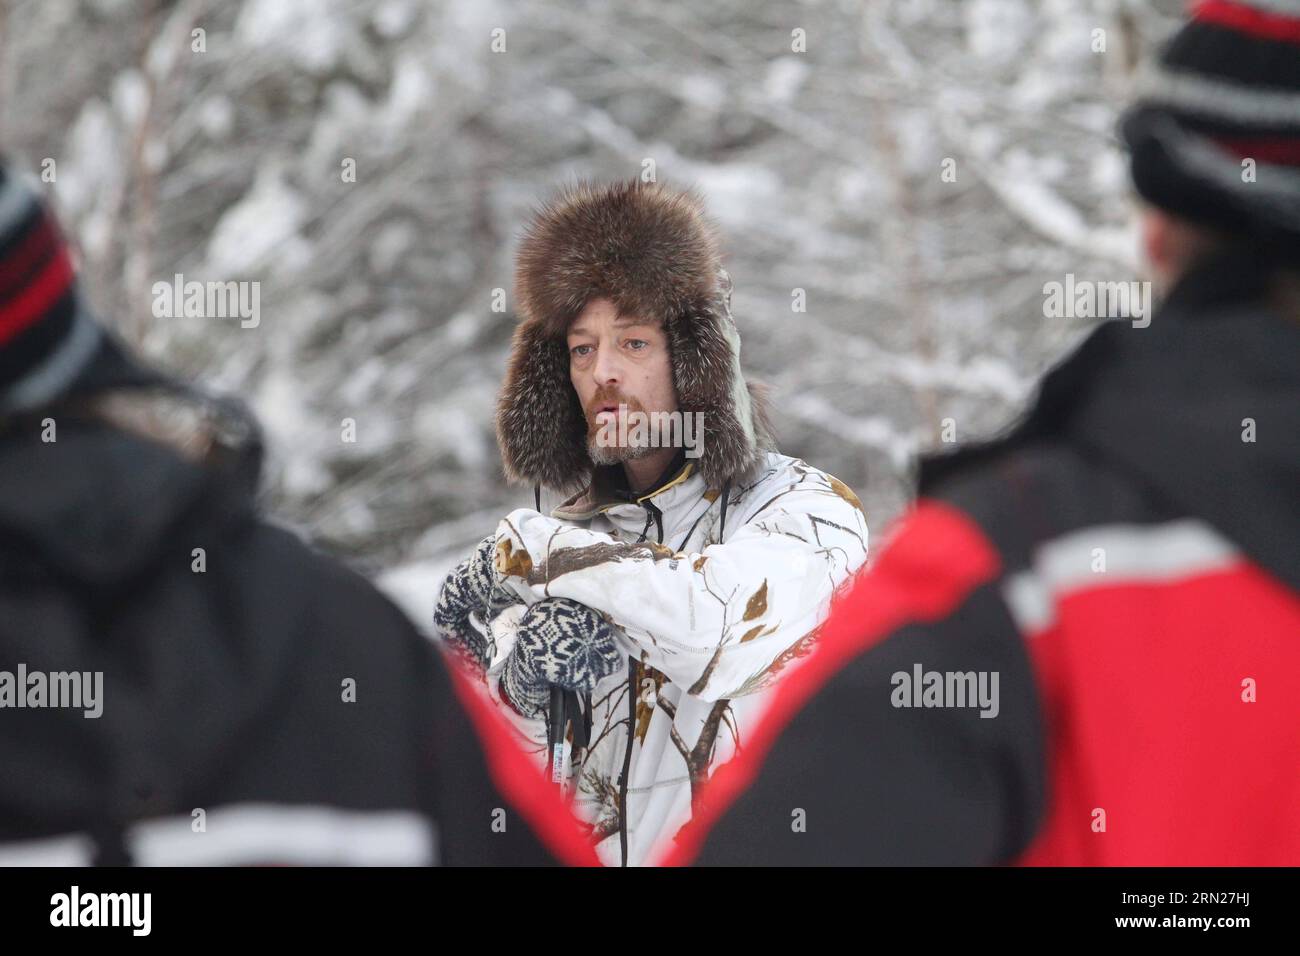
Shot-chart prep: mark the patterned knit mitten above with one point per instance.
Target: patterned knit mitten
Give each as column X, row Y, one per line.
column 562, row 643
column 473, row 585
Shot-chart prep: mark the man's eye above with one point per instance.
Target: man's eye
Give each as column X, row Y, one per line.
column 580, row 350
column 637, row 344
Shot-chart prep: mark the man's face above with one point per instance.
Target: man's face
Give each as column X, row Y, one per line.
column 618, row 360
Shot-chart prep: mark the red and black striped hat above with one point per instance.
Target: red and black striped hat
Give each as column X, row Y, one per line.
column 50, row 344
column 1225, row 90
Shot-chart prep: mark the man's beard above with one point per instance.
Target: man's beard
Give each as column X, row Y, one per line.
column 615, row 454
column 606, row 454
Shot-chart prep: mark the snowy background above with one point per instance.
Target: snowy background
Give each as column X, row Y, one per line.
column 822, row 164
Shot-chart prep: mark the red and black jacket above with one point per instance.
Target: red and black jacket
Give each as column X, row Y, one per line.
column 1127, row 560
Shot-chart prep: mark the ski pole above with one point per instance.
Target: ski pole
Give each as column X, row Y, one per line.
column 558, row 744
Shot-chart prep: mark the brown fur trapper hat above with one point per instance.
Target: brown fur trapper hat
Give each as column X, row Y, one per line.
column 652, row 251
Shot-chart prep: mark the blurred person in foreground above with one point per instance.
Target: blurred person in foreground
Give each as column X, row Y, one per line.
column 180, row 681
column 1121, row 571
column 667, row 595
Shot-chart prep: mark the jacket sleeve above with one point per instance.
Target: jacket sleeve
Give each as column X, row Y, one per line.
column 719, row 622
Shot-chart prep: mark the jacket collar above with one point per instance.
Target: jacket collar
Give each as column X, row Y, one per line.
column 608, row 489
column 1166, row 405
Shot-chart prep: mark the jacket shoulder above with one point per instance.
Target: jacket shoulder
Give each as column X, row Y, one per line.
column 330, row 597
column 1024, row 495
column 781, row 472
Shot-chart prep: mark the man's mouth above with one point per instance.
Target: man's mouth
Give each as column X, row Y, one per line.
column 606, row 411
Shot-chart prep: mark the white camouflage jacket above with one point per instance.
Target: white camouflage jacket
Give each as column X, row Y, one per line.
column 708, row 619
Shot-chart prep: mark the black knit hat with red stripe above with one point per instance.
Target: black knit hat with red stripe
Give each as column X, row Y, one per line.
column 1225, row 90
column 50, row 345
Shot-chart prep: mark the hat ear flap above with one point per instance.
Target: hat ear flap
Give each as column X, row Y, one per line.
column 540, row 426
column 706, row 372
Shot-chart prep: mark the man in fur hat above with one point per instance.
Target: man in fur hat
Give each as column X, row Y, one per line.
column 678, row 582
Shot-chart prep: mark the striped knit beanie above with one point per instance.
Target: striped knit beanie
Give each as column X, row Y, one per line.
column 50, row 345
column 1225, row 90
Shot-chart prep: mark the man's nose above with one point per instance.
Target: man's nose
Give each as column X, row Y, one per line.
column 607, row 369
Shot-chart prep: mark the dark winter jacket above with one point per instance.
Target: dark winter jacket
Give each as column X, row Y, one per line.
column 1127, row 562
column 259, row 703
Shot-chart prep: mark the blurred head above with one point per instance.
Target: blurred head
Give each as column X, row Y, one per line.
column 618, row 360
column 1214, row 140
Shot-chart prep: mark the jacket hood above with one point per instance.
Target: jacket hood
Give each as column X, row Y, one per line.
column 652, row 251
column 1171, row 406
column 104, row 501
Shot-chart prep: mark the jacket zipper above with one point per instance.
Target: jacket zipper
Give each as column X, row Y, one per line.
column 652, row 513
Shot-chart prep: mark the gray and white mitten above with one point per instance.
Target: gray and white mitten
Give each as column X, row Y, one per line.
column 559, row 643
column 472, row 586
